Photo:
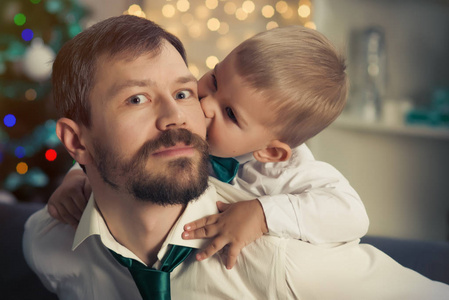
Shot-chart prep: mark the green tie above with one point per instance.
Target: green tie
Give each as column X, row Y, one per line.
column 225, row 168
column 152, row 283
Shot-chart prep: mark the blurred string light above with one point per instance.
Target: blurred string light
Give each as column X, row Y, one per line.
column 51, row 154
column 22, row 168
column 43, row 136
column 34, row 177
column 9, row 120
column 20, row 19
column 210, row 29
column 27, row 34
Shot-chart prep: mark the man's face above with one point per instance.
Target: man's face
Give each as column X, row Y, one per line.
column 148, row 129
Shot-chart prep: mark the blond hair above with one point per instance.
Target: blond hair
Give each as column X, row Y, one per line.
column 301, row 75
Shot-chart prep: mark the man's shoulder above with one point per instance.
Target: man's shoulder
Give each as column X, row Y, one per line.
column 41, row 224
column 46, row 240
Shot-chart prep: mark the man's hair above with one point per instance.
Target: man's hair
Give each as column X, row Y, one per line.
column 300, row 74
column 75, row 65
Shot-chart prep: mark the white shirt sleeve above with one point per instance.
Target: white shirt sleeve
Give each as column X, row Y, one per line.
column 306, row 199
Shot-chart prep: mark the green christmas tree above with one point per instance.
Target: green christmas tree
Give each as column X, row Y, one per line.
column 32, row 160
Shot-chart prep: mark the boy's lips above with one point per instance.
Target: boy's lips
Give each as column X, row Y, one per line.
column 179, row 149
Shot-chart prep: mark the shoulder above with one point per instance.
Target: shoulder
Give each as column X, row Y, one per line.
column 47, row 244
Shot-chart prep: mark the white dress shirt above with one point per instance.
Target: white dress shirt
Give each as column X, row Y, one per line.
column 303, row 198
column 78, row 265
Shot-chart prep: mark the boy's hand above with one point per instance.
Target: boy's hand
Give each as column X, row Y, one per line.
column 68, row 201
column 237, row 225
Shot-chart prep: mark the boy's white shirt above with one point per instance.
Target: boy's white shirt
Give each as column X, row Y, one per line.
column 304, row 198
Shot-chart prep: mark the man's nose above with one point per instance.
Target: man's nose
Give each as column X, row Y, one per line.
column 170, row 115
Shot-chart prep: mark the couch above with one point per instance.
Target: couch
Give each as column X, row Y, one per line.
column 17, row 281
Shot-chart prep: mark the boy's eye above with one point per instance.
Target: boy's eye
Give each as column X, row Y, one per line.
column 183, row 95
column 214, row 81
column 231, row 115
column 137, row 99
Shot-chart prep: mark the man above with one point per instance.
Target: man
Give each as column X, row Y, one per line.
column 132, row 118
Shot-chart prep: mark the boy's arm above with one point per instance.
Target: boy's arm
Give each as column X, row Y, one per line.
column 320, row 214
column 68, row 201
column 307, row 199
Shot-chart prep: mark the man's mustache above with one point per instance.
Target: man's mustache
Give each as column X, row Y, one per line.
column 169, row 138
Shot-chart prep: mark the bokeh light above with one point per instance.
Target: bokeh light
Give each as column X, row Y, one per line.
column 230, row 8
column 20, row 19
column 240, row 14
column 22, row 168
column 213, row 24
column 310, row 25
column 194, row 70
column 168, row 10
column 51, row 154
column 211, row 4
column 9, row 120
column 271, row 25
column 281, row 7
column 211, row 61
column 183, row 5
column 304, row 11
column 267, row 11
column 248, row 6
column 19, row 152
column 27, row 35
column 30, row 94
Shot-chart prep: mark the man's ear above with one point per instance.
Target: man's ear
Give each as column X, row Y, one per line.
column 276, row 151
column 70, row 134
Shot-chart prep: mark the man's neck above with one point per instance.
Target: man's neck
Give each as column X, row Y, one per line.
column 142, row 227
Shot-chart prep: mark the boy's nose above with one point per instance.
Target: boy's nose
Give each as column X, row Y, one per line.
column 208, row 108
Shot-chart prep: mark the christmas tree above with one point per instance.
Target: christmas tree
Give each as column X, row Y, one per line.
column 32, row 160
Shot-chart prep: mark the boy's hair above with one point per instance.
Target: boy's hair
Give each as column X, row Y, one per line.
column 300, row 74
column 75, row 65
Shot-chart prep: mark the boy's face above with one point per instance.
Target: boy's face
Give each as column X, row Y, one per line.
column 236, row 114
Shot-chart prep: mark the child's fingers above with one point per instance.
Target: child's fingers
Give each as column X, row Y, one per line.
column 66, row 217
column 53, row 211
column 216, row 245
column 233, row 253
column 71, row 207
column 87, row 190
column 222, row 206
column 212, row 219
column 80, row 202
column 208, row 231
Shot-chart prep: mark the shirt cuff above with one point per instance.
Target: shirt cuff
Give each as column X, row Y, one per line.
column 281, row 216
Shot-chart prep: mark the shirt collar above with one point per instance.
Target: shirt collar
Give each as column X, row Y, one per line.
column 245, row 158
column 92, row 223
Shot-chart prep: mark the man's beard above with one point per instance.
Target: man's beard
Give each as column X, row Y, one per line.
column 185, row 179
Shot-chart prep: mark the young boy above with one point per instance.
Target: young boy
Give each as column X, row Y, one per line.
column 262, row 102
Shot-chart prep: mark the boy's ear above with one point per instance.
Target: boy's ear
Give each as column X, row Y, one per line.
column 70, row 134
column 276, row 151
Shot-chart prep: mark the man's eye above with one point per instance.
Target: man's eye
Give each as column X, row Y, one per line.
column 183, row 95
column 138, row 99
column 214, row 81
column 231, row 115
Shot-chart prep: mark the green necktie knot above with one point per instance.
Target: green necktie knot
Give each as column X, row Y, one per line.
column 225, row 168
column 152, row 283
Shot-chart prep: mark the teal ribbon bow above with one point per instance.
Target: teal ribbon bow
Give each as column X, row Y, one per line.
column 152, row 283
column 225, row 168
